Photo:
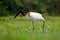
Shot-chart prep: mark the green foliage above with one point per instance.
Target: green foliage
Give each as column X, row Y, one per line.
column 52, row 7
column 3, row 11
column 17, row 29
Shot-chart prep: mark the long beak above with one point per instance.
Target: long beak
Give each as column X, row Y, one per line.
column 43, row 25
column 16, row 14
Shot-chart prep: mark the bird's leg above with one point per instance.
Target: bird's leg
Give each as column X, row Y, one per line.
column 33, row 25
column 43, row 26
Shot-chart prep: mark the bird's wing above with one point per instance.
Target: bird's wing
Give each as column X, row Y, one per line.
column 36, row 16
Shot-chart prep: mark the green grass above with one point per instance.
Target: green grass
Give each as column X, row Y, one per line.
column 19, row 29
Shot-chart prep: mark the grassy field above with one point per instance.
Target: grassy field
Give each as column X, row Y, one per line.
column 20, row 29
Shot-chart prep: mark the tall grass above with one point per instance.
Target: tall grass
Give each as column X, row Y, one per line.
column 20, row 29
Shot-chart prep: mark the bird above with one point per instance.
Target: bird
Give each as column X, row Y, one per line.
column 32, row 16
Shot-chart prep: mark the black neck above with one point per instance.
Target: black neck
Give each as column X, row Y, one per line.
column 21, row 12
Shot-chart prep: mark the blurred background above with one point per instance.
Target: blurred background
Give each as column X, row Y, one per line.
column 20, row 28
column 49, row 7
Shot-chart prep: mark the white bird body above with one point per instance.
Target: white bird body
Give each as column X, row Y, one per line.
column 34, row 16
